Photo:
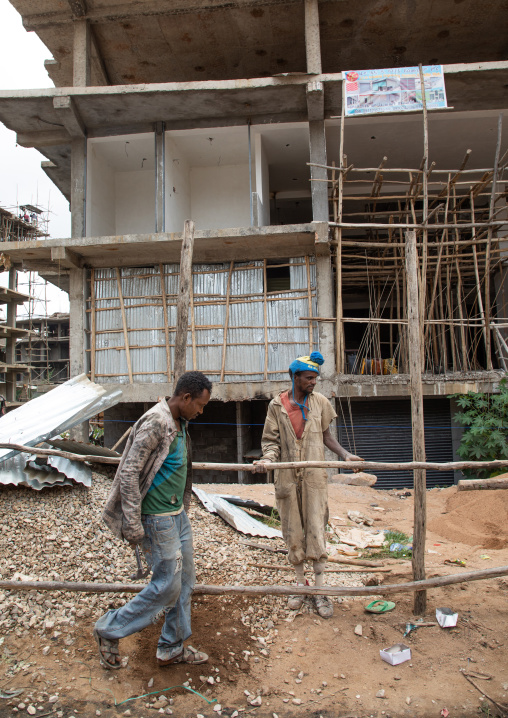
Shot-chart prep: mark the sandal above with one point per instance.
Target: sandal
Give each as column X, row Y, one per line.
column 109, row 655
column 187, row 655
column 380, row 606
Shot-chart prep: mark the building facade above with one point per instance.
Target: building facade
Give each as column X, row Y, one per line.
column 233, row 116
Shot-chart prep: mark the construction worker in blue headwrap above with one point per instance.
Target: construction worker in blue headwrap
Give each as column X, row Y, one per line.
column 297, row 429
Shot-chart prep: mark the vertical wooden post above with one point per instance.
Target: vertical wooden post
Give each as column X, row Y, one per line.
column 92, row 324
column 226, row 323
column 265, row 318
column 415, row 378
column 340, row 337
column 166, row 320
column 183, row 301
column 309, row 303
column 124, row 325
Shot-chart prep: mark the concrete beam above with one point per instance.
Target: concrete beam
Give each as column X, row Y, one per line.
column 71, row 118
column 312, row 37
column 315, row 101
column 44, row 138
column 319, row 190
column 78, row 187
column 66, row 258
column 78, row 7
column 81, row 57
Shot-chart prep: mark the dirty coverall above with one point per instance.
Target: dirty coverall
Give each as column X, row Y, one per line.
column 301, row 494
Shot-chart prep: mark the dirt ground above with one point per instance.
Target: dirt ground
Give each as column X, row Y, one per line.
column 342, row 671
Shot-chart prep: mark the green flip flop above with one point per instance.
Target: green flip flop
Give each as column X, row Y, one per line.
column 380, row 606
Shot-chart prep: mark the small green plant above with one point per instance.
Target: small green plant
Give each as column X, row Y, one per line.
column 392, row 537
column 485, row 418
column 273, row 520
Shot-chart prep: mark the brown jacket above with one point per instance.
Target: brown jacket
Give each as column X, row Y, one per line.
column 147, row 447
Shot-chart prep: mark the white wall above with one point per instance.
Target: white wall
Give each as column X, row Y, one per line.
column 220, row 196
column 262, row 184
column 135, row 202
column 178, row 190
column 100, row 196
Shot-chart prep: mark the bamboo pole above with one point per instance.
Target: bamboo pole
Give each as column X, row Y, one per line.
column 265, row 321
column 92, row 324
column 193, row 324
column 217, row 590
column 182, row 310
column 489, row 243
column 418, row 431
column 124, row 325
column 309, row 302
column 339, row 330
column 166, row 321
column 226, row 323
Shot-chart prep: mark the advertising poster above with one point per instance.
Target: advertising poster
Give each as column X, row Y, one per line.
column 398, row 89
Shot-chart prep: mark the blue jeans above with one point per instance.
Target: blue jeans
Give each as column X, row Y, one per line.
column 168, row 550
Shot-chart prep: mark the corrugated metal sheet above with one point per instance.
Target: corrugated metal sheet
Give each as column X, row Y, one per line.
column 235, row 516
column 141, row 289
column 60, row 409
column 21, row 470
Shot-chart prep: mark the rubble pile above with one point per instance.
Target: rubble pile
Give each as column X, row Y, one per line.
column 58, row 535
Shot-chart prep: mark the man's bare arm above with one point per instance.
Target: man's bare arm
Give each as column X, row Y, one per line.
column 331, row 443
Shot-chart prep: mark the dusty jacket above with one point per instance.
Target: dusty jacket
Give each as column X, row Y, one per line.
column 147, row 447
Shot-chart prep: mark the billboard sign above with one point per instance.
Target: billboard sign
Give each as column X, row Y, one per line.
column 397, row 89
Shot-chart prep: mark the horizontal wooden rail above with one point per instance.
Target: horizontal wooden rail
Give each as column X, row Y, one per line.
column 204, row 589
column 341, row 465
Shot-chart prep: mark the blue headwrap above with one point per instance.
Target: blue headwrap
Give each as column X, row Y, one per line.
column 308, row 363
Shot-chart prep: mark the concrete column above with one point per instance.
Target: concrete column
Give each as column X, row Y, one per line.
column 77, row 296
column 160, row 179
column 10, row 343
column 81, row 57
column 320, row 212
column 78, row 187
column 312, row 39
column 325, row 303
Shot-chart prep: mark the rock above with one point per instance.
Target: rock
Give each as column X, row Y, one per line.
column 127, row 712
column 358, row 630
column 396, row 678
column 217, row 707
column 46, row 650
column 408, row 701
column 381, row 694
column 150, row 683
column 31, row 710
column 256, row 701
column 297, row 701
column 359, row 479
column 300, row 675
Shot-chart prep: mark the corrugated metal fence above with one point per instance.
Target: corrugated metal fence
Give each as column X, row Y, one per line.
column 237, row 329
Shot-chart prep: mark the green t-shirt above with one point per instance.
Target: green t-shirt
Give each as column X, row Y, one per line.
column 167, row 488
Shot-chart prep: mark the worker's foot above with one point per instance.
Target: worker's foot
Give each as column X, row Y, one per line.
column 187, row 655
column 109, row 653
column 324, row 606
column 296, row 602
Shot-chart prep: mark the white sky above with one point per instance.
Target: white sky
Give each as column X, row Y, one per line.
column 22, row 180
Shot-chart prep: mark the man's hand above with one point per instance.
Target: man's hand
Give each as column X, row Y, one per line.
column 353, row 457
column 260, row 466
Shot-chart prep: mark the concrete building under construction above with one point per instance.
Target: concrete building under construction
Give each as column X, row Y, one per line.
column 233, row 115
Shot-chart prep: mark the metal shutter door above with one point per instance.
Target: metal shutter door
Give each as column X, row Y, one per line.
column 382, row 432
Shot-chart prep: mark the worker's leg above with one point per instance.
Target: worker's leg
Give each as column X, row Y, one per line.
column 323, row 604
column 296, row 602
column 163, row 551
column 177, row 623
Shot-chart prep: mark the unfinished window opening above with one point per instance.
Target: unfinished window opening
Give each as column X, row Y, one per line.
column 278, row 277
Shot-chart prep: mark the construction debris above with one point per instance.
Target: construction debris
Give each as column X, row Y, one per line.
column 235, row 516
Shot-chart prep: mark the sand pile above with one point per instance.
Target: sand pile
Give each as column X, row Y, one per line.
column 476, row 518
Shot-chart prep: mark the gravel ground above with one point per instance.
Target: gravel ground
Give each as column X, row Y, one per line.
column 58, row 535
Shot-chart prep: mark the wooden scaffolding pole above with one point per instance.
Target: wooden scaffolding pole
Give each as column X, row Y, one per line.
column 166, row 320
column 183, row 301
column 418, row 431
column 124, row 325
column 226, row 323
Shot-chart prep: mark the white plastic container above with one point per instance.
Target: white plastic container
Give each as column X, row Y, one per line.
column 399, row 653
column 446, row 617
